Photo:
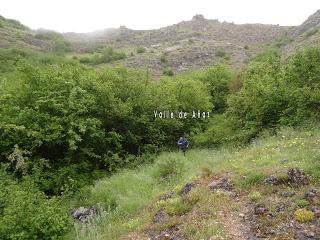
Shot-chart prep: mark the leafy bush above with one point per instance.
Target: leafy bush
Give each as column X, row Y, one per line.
column 303, row 215
column 104, row 55
column 255, row 196
column 61, row 45
column 220, row 130
column 167, row 168
column 26, row 213
column 74, row 120
column 168, row 72
column 217, row 80
column 301, row 202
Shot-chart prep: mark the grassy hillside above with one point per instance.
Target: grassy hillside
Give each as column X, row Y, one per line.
column 13, row 34
column 68, row 119
column 133, row 196
column 182, row 46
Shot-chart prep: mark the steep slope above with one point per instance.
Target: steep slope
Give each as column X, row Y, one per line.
column 186, row 45
column 307, row 34
column 180, row 47
column 267, row 190
column 13, row 34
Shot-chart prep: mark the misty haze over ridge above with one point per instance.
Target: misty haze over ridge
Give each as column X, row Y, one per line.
column 87, row 16
column 186, row 45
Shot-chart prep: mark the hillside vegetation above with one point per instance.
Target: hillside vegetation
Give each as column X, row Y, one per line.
column 137, row 196
column 82, row 155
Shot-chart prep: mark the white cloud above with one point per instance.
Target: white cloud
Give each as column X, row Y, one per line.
column 83, row 16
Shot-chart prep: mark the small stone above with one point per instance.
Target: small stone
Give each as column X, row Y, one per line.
column 308, row 233
column 287, row 194
column 297, row 177
column 224, row 184
column 272, row 179
column 316, row 211
column 166, row 196
column 311, row 194
column 84, row 214
column 260, row 209
column 159, row 216
column 187, row 188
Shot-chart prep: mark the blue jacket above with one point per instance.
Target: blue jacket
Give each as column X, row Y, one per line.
column 183, row 143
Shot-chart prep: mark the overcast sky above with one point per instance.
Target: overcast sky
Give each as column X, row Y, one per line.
column 84, row 16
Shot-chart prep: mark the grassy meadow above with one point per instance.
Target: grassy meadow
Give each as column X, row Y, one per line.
column 133, row 195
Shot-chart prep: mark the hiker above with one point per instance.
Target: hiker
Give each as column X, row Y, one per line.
column 183, row 144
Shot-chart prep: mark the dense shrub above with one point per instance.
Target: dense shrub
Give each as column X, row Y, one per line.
column 61, row 45
column 303, row 215
column 217, row 80
column 60, row 122
column 74, row 120
column 168, row 72
column 26, row 213
column 168, row 168
column 103, row 55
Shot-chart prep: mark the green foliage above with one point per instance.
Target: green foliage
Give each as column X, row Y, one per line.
column 220, row 53
column 303, row 215
column 220, row 130
column 167, row 168
column 179, row 206
column 11, row 23
column 61, row 45
column 141, row 49
column 255, row 196
column 217, row 80
column 252, row 179
column 168, row 72
column 75, row 120
column 103, row 55
column 163, row 59
column 301, row 202
column 312, row 32
column 284, row 40
column 275, row 93
column 26, row 213
column 260, row 101
column 303, row 87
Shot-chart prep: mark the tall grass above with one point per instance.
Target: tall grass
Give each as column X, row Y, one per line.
column 128, row 193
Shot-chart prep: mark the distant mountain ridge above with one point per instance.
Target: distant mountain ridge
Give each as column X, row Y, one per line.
column 185, row 45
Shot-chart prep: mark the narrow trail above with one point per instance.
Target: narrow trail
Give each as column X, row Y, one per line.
column 233, row 226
